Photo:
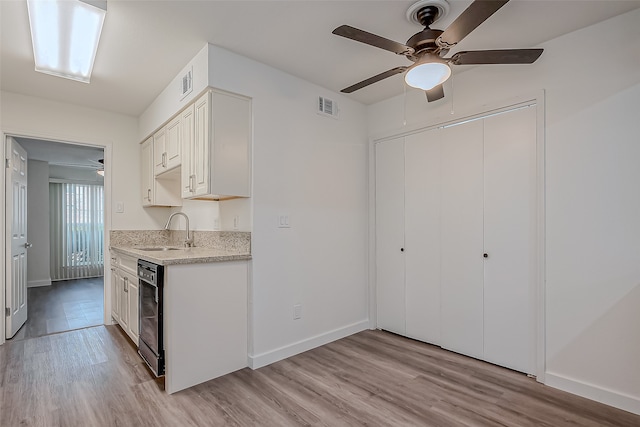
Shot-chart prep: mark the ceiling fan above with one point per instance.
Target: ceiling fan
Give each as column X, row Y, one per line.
column 428, row 47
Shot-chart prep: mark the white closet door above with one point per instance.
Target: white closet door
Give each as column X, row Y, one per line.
column 509, row 239
column 462, row 247
column 390, row 292
column 422, row 236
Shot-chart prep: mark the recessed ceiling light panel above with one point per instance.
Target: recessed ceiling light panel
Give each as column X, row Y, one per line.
column 65, row 36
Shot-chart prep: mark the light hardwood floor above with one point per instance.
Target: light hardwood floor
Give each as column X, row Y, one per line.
column 93, row 377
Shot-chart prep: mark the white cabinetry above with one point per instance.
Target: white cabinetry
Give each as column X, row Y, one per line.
column 219, row 153
column 167, row 146
column 161, row 191
column 124, row 294
column 445, row 198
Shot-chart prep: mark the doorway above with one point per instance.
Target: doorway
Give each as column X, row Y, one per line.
column 66, row 233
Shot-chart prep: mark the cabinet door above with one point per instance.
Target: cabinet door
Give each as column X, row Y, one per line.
column 123, row 282
column 509, row 239
column 146, row 171
column 390, row 287
column 462, row 239
column 188, row 128
column 422, row 235
column 134, row 327
column 115, row 295
column 159, row 151
column 173, row 143
column 200, row 155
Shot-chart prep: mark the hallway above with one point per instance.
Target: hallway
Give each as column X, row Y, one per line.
column 63, row 306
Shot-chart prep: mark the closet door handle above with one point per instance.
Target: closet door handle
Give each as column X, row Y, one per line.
column 126, row 284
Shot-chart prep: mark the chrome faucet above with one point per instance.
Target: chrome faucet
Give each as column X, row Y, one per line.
column 188, row 241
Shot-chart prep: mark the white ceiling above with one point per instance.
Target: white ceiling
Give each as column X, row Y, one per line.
column 145, row 43
column 62, row 154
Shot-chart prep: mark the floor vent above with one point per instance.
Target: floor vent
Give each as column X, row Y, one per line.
column 327, row 107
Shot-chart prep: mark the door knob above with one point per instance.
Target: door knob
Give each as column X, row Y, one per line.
column 28, row 245
column 486, row 255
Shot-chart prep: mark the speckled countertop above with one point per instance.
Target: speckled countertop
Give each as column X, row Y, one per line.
column 210, row 246
column 183, row 255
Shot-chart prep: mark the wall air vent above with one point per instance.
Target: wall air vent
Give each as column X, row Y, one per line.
column 327, row 107
column 187, row 84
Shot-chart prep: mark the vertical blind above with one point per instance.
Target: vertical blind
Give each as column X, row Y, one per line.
column 77, row 230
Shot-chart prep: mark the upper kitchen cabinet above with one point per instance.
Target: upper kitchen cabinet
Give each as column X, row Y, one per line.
column 217, row 157
column 167, row 146
column 161, row 191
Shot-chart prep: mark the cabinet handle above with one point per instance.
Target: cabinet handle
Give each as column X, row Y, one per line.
column 164, row 160
column 148, row 194
column 192, row 183
column 126, row 284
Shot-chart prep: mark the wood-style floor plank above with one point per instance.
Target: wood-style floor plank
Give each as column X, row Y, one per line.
column 94, row 377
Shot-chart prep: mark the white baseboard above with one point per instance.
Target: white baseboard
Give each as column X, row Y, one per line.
column 38, row 283
column 593, row 392
column 269, row 357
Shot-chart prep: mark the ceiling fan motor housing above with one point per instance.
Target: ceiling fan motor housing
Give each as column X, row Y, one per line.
column 423, row 42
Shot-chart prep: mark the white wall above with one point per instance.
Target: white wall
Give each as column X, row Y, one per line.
column 591, row 80
column 314, row 169
column 38, row 273
column 37, row 117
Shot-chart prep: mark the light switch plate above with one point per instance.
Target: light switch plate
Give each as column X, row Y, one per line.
column 119, row 207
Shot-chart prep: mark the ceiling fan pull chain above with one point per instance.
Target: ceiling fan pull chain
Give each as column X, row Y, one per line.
column 404, row 104
column 452, row 94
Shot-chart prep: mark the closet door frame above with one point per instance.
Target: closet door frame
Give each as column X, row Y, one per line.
column 534, row 100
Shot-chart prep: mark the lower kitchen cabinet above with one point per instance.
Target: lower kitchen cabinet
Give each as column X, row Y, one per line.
column 124, row 294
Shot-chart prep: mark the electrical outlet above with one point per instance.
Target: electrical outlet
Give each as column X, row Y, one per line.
column 236, row 222
column 283, row 221
column 297, row 311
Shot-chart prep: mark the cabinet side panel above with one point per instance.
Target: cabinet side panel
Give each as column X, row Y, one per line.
column 205, row 322
column 232, row 144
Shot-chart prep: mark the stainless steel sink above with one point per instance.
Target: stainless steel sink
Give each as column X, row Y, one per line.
column 163, row 248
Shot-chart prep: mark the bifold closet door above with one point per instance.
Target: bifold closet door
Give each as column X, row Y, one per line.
column 462, row 239
column 509, row 238
column 390, row 291
column 422, row 236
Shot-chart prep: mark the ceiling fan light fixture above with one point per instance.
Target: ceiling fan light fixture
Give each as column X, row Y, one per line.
column 427, row 74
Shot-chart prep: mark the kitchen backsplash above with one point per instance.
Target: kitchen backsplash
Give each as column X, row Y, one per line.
column 233, row 241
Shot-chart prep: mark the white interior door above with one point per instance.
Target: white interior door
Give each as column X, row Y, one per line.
column 509, row 239
column 462, row 239
column 422, row 236
column 390, row 287
column 16, row 231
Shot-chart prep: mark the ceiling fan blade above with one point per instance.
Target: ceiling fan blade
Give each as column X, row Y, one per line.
column 478, row 12
column 435, row 93
column 372, row 40
column 374, row 79
column 501, row 56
